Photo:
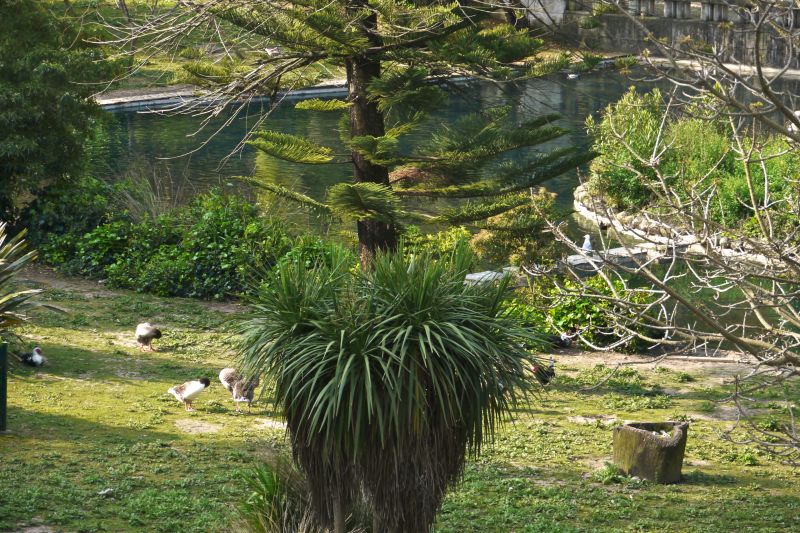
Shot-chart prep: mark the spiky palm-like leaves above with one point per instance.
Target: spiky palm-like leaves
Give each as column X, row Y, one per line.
column 14, row 304
column 388, row 379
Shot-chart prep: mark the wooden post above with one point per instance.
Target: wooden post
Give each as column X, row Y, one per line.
column 3, row 385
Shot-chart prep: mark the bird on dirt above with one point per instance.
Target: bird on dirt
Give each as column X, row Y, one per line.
column 34, row 358
column 189, row 391
column 240, row 388
column 145, row 333
column 244, row 391
column 544, row 374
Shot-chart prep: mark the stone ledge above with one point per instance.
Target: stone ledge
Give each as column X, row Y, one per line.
column 654, row 235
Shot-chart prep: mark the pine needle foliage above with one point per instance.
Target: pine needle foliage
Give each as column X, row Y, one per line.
column 317, row 104
column 289, row 194
column 291, row 148
column 388, row 378
column 364, row 201
column 399, row 57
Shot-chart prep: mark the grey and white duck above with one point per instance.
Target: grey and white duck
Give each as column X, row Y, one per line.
column 190, row 390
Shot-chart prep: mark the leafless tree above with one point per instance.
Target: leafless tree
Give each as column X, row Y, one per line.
column 680, row 279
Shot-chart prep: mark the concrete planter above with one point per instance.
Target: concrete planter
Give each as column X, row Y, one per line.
column 651, row 450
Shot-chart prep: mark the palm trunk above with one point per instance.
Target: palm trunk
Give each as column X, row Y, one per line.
column 367, row 119
column 338, row 516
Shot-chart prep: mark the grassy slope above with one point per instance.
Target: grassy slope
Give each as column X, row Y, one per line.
column 98, row 417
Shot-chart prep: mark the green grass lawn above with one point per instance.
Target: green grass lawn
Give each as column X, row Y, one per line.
column 98, row 416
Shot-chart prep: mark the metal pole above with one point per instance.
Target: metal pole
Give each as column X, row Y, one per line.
column 3, row 384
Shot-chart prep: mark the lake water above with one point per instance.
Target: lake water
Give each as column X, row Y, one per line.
column 187, row 157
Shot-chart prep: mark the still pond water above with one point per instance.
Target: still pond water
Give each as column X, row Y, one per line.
column 172, row 146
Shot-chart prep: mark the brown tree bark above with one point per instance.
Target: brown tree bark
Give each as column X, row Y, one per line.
column 367, row 119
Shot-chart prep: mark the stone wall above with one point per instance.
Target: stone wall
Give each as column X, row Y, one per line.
column 707, row 22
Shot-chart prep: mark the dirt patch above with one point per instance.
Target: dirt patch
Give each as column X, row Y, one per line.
column 197, row 426
column 269, row 423
column 593, row 419
column 36, row 529
column 47, row 276
column 596, row 463
column 91, row 289
column 721, row 370
column 129, row 374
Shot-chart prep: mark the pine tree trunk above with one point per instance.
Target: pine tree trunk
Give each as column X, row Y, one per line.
column 367, row 119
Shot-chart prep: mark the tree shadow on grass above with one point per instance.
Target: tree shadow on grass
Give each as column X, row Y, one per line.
column 42, row 426
column 73, row 363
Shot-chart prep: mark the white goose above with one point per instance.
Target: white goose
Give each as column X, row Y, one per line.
column 189, row 391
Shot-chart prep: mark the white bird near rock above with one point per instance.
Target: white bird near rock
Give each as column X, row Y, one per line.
column 587, row 243
column 573, row 76
column 791, row 126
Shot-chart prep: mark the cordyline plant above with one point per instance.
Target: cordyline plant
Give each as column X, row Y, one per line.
column 398, row 58
column 14, row 304
column 388, row 378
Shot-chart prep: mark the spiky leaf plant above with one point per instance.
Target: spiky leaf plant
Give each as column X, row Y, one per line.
column 14, row 304
column 388, row 378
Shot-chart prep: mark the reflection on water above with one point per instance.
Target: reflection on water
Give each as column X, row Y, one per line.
column 173, row 145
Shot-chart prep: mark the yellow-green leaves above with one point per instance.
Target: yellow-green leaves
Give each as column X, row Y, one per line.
column 317, row 104
column 291, row 148
column 364, row 201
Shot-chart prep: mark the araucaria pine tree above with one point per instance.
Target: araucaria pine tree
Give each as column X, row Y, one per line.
column 396, row 56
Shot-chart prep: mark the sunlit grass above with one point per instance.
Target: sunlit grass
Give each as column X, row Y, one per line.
column 98, row 417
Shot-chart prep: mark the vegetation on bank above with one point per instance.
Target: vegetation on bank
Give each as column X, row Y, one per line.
column 98, row 417
column 689, row 153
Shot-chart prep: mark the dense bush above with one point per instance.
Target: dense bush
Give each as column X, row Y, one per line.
column 695, row 153
column 552, row 310
column 519, row 236
column 206, row 249
column 438, row 244
column 49, row 70
column 74, row 208
column 617, row 172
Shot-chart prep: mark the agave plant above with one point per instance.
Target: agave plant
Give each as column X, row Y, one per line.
column 389, row 379
column 14, row 304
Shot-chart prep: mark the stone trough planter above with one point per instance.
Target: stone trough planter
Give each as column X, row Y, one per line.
column 651, row 450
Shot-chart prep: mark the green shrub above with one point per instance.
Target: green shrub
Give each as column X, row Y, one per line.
column 617, row 174
column 98, row 249
column 551, row 310
column 311, row 251
column 73, row 208
column 589, row 23
column 697, row 153
column 206, row 249
column 438, row 244
column 518, row 236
